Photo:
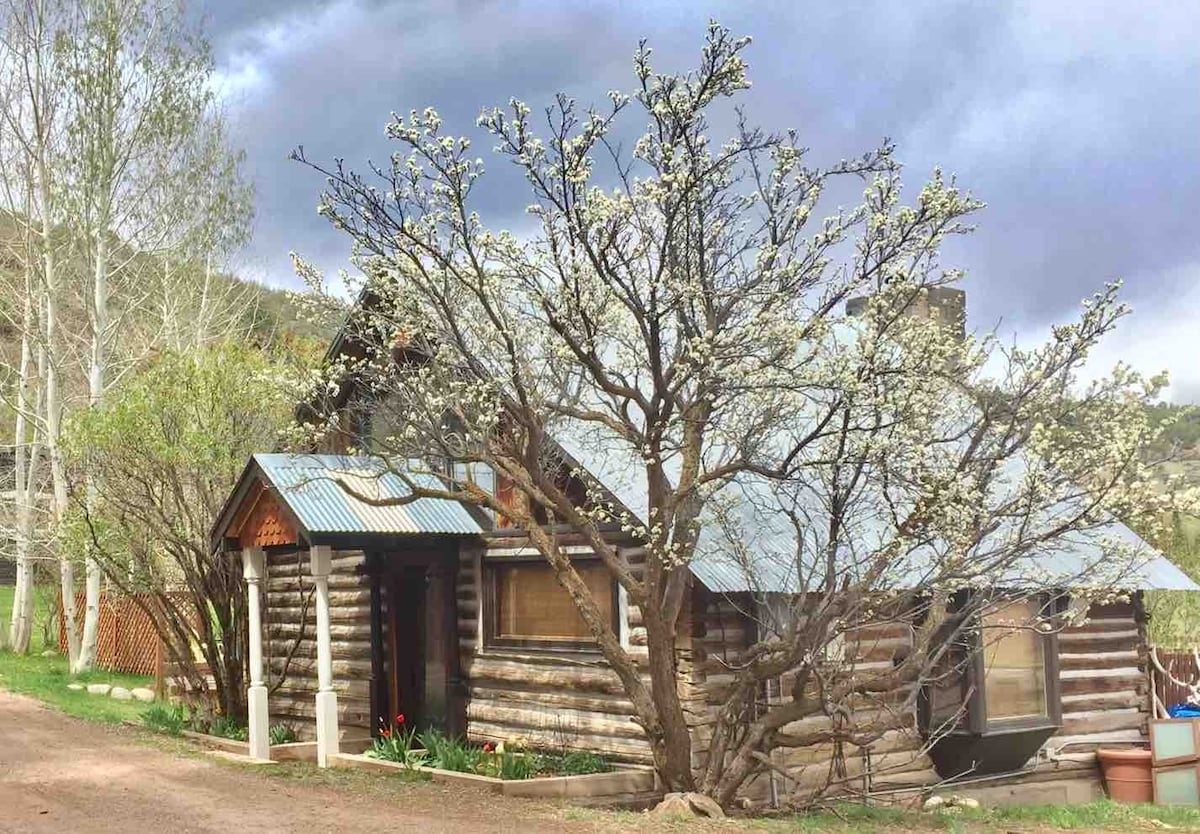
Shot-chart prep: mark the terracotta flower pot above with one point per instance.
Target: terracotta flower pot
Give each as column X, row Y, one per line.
column 1127, row 774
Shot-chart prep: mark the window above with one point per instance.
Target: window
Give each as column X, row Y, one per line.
column 997, row 699
column 480, row 474
column 1014, row 663
column 488, row 480
column 527, row 606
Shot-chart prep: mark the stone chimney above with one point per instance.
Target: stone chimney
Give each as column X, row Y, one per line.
column 943, row 304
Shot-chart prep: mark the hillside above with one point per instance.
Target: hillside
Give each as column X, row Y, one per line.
column 153, row 302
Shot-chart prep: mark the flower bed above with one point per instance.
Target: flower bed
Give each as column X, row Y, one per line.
column 231, row 737
column 509, row 769
column 620, row 785
column 292, row 751
column 403, row 745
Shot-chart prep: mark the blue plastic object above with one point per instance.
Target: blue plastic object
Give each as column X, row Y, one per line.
column 1184, row 711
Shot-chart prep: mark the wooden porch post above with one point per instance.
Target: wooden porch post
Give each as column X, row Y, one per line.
column 327, row 721
column 258, row 718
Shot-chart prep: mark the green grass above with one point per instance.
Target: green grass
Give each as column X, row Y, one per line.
column 1103, row 814
column 46, row 679
column 845, row 818
column 1093, row 816
column 45, row 603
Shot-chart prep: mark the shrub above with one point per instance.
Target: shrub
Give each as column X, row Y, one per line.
column 165, row 718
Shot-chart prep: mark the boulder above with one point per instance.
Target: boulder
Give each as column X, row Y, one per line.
column 121, row 693
column 687, row 805
column 141, row 693
column 75, row 687
column 49, row 653
column 99, row 688
column 934, row 802
column 673, row 806
column 705, row 806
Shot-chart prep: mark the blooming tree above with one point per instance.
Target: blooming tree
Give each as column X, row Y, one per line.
column 667, row 359
column 163, row 456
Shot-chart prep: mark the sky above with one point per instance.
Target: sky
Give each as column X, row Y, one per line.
column 1076, row 121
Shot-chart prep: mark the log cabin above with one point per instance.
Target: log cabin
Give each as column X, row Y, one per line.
column 360, row 611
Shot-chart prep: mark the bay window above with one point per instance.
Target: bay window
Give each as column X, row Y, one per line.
column 996, row 699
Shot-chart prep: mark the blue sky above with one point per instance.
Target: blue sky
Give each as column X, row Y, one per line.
column 1077, row 122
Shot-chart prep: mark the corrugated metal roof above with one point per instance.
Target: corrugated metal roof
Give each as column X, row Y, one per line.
column 753, row 529
column 312, row 487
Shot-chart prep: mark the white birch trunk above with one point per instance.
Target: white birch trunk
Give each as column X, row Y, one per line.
column 21, row 625
column 91, row 616
column 202, row 316
column 58, row 474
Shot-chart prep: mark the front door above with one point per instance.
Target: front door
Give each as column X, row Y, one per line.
column 420, row 646
column 405, row 598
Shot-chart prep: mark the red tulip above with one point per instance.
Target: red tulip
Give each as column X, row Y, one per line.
column 400, row 718
column 386, row 733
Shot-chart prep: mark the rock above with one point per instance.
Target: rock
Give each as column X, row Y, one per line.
column 705, row 806
column 75, row 687
column 99, row 688
column 687, row 805
column 49, row 653
column 673, row 806
column 121, row 693
column 143, row 694
column 952, row 804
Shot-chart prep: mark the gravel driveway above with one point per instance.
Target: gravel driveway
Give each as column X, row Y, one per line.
column 60, row 774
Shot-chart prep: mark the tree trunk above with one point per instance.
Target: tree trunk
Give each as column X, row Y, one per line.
column 99, row 315
column 21, row 626
column 54, row 406
column 202, row 316
column 673, row 751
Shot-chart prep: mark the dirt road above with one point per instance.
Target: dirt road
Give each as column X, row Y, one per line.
column 60, row 774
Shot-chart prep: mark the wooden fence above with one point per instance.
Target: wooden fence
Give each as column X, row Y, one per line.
column 1179, row 664
column 127, row 641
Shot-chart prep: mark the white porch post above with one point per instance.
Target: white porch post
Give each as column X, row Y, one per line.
column 253, row 570
column 327, row 722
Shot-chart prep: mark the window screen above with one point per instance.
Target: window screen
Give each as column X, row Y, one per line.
column 1177, row 786
column 1014, row 662
column 531, row 605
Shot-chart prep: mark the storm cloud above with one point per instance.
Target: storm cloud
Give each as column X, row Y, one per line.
column 1077, row 122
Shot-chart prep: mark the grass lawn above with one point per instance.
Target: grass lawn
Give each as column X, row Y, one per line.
column 46, row 679
column 45, row 601
column 846, row 818
column 1094, row 816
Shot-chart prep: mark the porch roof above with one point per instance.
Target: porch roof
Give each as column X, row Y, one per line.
column 313, row 488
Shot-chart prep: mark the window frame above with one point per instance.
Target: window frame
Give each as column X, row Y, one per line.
column 973, row 719
column 978, row 721
column 490, row 613
column 973, row 743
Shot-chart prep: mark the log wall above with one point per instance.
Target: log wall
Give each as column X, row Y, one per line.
column 1105, row 700
column 565, row 699
column 290, row 647
column 573, row 700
